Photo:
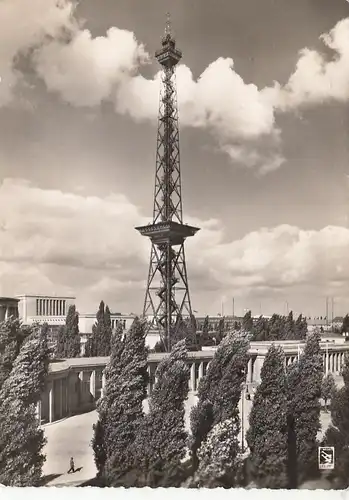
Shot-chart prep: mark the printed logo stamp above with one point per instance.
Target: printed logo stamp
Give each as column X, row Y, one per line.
column 326, row 457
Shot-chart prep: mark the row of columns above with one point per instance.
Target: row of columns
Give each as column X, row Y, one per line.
column 90, row 384
column 58, row 391
column 333, row 362
column 50, row 307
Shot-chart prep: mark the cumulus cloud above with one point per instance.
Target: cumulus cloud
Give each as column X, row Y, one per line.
column 318, row 78
column 55, row 242
column 23, row 25
column 87, row 70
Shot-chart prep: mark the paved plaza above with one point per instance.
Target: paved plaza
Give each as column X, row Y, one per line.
column 72, row 438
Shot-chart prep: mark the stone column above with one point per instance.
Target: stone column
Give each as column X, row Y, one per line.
column 201, row 372
column 103, row 384
column 192, row 377
column 51, row 402
column 149, row 380
column 61, row 398
column 93, row 384
column 257, row 368
column 38, row 411
column 249, row 371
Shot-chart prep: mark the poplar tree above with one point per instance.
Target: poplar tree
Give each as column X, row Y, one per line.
column 205, row 330
column 99, row 343
column 219, row 390
column 267, row 433
column 124, row 394
column 161, row 443
column 21, row 438
column 289, row 332
column 12, row 336
column 247, row 322
column 304, row 393
column 219, row 457
column 328, row 388
column 68, row 340
column 113, row 371
column 301, row 328
column 337, row 434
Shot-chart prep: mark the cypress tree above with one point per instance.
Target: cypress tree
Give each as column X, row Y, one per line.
column 162, row 441
column 267, row 434
column 21, row 439
column 304, row 393
column 219, row 390
column 125, row 392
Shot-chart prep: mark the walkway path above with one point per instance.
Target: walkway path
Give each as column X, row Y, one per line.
column 72, row 438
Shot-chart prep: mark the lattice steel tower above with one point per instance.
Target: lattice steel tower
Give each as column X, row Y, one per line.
column 167, row 295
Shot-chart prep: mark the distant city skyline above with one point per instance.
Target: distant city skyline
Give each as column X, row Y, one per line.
column 263, row 101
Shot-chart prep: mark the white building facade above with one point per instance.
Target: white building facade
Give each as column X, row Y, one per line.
column 44, row 309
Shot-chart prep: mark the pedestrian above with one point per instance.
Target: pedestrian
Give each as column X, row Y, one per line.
column 72, row 466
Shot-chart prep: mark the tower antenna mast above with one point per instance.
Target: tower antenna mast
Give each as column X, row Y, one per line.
column 167, row 299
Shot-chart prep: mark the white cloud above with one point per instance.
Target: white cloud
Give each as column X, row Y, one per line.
column 86, row 71
column 24, row 24
column 55, row 242
column 318, row 78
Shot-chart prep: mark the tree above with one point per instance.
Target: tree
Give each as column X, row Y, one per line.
column 301, row 328
column 304, row 393
column 328, row 388
column 205, row 330
column 12, row 336
column 100, row 341
column 267, row 434
column 68, row 341
column 220, row 330
column 218, row 457
column 337, row 434
column 247, row 322
column 161, row 443
column 345, row 324
column 275, row 327
column 113, row 372
column 123, row 403
column 289, row 332
column 219, row 390
column 260, row 329
column 21, row 439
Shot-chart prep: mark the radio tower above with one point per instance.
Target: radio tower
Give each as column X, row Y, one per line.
column 167, row 296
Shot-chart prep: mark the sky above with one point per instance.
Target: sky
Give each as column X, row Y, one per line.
column 263, row 92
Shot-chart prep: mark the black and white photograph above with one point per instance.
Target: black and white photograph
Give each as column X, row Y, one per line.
column 174, row 244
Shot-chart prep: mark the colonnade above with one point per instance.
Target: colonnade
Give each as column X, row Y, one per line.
column 75, row 385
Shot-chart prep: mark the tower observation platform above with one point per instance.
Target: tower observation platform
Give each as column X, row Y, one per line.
column 167, row 296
